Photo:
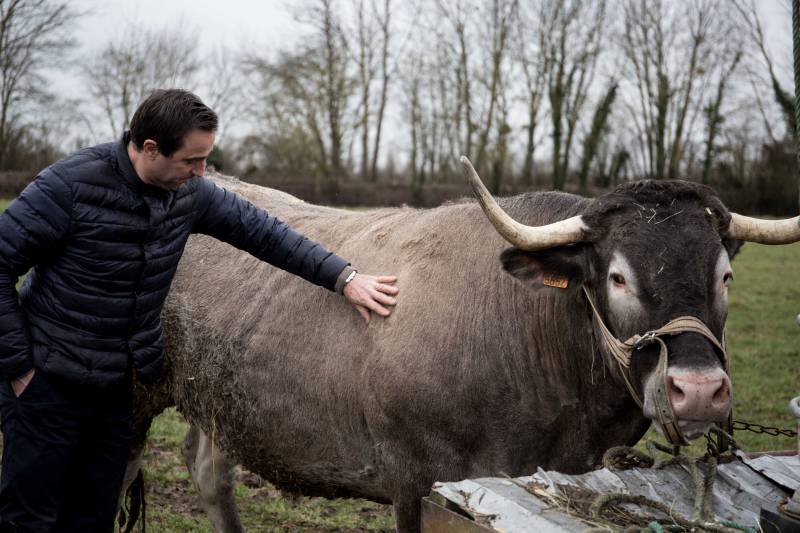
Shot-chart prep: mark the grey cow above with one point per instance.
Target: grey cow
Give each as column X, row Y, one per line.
column 494, row 360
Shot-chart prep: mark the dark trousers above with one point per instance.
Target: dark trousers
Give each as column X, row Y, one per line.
column 65, row 448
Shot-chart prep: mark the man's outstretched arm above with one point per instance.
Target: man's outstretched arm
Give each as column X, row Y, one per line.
column 231, row 218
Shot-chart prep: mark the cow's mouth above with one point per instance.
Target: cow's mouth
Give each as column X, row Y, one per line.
column 691, row 429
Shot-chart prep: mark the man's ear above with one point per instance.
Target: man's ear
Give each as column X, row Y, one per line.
column 150, row 148
column 563, row 267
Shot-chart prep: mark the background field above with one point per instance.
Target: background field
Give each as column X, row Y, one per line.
column 763, row 344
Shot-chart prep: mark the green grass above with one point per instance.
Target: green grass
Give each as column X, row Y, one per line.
column 762, row 342
column 3, row 204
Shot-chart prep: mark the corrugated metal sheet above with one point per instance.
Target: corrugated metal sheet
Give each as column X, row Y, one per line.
column 741, row 488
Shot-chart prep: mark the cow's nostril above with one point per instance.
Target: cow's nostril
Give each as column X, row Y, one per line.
column 722, row 395
column 676, row 394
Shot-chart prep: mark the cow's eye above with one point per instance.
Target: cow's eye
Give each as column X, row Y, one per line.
column 618, row 279
column 727, row 279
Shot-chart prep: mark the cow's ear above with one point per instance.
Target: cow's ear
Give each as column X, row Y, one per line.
column 732, row 246
column 563, row 267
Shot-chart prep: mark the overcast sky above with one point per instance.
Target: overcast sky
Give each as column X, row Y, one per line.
column 228, row 21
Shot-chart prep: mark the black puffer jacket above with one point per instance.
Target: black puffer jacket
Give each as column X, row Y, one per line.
column 104, row 248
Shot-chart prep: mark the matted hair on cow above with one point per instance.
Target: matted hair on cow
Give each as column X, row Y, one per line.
column 167, row 116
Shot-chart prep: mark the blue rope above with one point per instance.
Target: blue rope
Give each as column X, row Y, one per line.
column 734, row 525
column 655, row 527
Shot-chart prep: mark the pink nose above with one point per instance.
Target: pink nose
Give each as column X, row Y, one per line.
column 702, row 396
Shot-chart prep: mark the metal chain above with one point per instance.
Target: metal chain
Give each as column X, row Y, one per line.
column 767, row 430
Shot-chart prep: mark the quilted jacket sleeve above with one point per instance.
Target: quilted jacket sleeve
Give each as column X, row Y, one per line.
column 230, row 218
column 31, row 228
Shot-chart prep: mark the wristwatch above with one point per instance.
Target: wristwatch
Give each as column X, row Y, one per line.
column 347, row 275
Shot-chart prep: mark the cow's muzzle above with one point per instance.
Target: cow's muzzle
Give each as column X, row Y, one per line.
column 667, row 406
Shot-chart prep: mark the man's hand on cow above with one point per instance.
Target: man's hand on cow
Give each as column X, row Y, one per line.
column 21, row 383
column 372, row 293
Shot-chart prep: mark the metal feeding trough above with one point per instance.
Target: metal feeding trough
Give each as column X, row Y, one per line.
column 751, row 492
column 742, row 489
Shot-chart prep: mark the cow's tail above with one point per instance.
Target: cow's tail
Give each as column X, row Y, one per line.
column 134, row 505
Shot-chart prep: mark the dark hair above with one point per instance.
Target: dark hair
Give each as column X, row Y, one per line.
column 166, row 116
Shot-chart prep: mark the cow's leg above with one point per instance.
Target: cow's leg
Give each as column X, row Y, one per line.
column 406, row 514
column 214, row 478
column 131, row 496
column 131, row 471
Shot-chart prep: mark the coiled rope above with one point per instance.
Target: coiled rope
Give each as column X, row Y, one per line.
column 623, row 457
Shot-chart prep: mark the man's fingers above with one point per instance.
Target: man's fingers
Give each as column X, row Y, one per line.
column 378, row 308
column 387, row 289
column 387, row 279
column 383, row 298
column 364, row 312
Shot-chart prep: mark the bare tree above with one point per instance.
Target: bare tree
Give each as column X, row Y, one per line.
column 430, row 100
column 33, row 34
column 289, row 113
column 756, row 35
column 673, row 53
column 459, row 69
column 372, row 54
column 596, row 133
column 336, row 86
column 455, row 16
column 365, row 61
column 136, row 62
column 384, row 21
column 535, row 30
column 714, row 118
column 222, row 86
column 499, row 14
column 572, row 57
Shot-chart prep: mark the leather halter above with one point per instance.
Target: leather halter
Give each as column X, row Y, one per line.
column 622, row 352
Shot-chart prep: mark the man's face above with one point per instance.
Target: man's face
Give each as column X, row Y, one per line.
column 185, row 163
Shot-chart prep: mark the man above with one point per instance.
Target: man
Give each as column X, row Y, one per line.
column 102, row 231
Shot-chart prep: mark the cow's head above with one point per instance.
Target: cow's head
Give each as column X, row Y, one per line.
column 648, row 252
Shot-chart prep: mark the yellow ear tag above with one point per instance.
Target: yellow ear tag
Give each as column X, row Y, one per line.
column 556, row 280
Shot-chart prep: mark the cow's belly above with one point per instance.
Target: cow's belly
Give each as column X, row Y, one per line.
column 287, row 431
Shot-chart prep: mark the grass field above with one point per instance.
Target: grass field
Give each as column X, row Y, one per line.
column 762, row 341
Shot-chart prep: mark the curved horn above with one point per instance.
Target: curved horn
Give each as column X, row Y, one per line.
column 764, row 231
column 530, row 238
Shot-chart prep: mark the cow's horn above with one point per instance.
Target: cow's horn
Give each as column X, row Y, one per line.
column 764, row 231
column 531, row 238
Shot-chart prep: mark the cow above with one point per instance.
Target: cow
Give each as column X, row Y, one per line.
column 564, row 327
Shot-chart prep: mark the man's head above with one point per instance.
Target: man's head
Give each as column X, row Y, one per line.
column 172, row 133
